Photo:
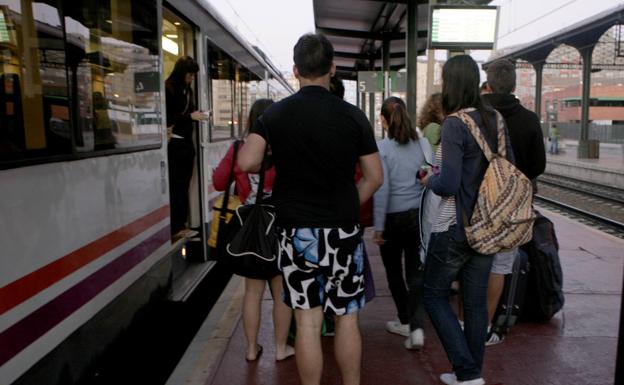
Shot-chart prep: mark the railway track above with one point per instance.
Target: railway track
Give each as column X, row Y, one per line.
column 596, row 205
column 592, row 189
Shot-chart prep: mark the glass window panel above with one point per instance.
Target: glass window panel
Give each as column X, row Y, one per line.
column 34, row 108
column 113, row 68
column 223, row 86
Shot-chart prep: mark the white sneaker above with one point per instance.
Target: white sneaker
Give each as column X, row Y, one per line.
column 397, row 327
column 494, row 338
column 416, row 340
column 451, row 379
column 448, row 378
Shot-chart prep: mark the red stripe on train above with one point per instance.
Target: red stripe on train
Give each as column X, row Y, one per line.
column 29, row 285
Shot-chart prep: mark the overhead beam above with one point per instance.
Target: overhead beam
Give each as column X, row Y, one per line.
column 365, row 56
column 361, row 34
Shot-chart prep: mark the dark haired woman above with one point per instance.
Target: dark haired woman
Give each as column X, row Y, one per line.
column 430, row 119
column 181, row 113
column 396, row 218
column 449, row 255
column 255, row 283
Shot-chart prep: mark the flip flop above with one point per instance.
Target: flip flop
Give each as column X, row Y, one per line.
column 258, row 354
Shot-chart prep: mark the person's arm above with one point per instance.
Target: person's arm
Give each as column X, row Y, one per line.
column 251, row 154
column 447, row 182
column 221, row 174
column 432, row 133
column 381, row 200
column 372, row 176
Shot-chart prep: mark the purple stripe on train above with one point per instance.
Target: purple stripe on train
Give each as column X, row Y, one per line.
column 16, row 338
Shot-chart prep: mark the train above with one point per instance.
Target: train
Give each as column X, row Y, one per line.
column 85, row 232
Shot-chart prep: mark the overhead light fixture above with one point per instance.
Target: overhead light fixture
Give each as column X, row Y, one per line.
column 109, row 21
column 176, row 23
column 170, row 46
column 171, row 36
column 116, row 95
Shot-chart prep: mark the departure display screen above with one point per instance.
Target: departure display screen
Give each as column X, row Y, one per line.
column 462, row 28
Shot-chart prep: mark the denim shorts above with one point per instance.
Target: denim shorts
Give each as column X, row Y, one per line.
column 503, row 262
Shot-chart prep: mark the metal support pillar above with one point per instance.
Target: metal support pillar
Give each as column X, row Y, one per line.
column 371, row 109
column 539, row 71
column 584, row 145
column 411, row 52
column 430, row 63
column 371, row 100
column 385, row 51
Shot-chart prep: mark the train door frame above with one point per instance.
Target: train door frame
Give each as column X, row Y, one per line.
column 195, row 218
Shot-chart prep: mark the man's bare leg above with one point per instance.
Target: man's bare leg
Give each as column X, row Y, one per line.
column 308, row 345
column 348, row 348
column 496, row 284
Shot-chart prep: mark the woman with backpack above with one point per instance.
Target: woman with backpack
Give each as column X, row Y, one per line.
column 449, row 256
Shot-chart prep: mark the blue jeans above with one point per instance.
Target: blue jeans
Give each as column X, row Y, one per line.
column 447, row 260
column 554, row 146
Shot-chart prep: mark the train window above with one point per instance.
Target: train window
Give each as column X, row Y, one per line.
column 223, row 84
column 113, row 65
column 34, row 103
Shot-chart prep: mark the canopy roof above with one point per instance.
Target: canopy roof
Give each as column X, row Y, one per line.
column 582, row 35
column 357, row 29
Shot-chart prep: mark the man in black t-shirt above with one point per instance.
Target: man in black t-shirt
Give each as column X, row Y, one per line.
column 316, row 140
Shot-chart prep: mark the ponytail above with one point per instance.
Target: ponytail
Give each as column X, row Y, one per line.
column 400, row 126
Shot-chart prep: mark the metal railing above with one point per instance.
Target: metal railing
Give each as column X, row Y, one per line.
column 610, row 133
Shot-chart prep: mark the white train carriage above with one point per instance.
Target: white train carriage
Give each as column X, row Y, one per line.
column 84, row 229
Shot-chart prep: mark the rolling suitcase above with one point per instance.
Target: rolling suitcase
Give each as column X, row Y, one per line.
column 512, row 300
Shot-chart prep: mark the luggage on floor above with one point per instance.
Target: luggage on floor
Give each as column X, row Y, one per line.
column 512, row 300
column 544, row 295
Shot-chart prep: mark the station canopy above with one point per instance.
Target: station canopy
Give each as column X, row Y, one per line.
column 582, row 35
column 357, row 29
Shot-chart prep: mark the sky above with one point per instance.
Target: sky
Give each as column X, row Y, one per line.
column 275, row 25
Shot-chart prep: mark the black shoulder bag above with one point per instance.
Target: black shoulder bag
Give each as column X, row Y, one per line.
column 251, row 245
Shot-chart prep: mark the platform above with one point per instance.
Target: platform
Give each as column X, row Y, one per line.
column 607, row 170
column 577, row 347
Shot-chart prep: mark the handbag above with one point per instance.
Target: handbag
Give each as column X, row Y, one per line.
column 251, row 238
column 221, row 215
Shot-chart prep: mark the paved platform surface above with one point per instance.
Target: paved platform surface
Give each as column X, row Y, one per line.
column 576, row 347
column 611, row 156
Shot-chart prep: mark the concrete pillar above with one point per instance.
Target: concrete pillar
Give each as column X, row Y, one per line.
column 539, row 72
column 583, row 150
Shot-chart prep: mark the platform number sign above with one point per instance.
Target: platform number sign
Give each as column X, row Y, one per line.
column 373, row 81
column 370, row 81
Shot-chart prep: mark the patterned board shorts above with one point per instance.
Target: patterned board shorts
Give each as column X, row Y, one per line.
column 323, row 267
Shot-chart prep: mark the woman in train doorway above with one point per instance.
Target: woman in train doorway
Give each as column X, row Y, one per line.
column 255, row 282
column 449, row 256
column 396, row 206
column 181, row 113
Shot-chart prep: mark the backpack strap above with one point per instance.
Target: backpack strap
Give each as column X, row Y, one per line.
column 478, row 135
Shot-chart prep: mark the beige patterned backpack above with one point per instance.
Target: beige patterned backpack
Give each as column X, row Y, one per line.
column 503, row 215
